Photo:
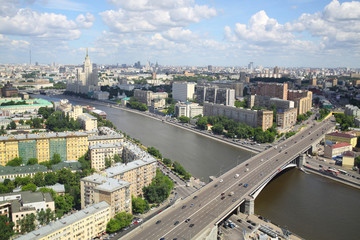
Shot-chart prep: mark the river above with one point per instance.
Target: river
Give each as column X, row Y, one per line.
column 309, row 205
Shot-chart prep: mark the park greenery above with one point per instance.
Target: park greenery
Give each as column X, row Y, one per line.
column 232, row 129
column 59, row 122
column 184, row 119
column 324, row 112
column 135, row 104
column 345, row 122
column 159, row 189
column 121, row 220
column 45, row 112
column 58, row 85
column 240, row 104
column 103, row 122
column 170, row 110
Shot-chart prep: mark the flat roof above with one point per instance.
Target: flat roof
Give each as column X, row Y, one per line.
column 121, row 167
column 37, row 102
column 61, row 223
column 105, row 183
column 343, row 135
column 22, row 169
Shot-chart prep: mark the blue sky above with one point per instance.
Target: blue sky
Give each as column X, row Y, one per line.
column 287, row 33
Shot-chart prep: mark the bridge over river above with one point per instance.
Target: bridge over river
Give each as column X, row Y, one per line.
column 207, row 207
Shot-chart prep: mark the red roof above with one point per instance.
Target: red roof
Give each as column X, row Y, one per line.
column 340, row 145
column 349, row 154
column 343, row 135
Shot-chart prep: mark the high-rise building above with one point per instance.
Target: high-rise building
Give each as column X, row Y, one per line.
column 302, row 100
column 216, row 95
column 86, row 79
column 251, row 66
column 183, row 91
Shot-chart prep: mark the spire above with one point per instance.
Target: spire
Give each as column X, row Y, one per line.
column 87, row 52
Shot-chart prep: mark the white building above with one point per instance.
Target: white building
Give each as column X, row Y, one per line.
column 183, row 91
column 351, row 110
column 99, row 152
column 87, row 121
column 188, row 109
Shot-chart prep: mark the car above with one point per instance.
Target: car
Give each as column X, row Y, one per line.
column 191, row 225
column 239, row 220
column 192, row 205
column 223, row 197
column 246, row 165
column 240, row 184
column 159, row 211
column 250, row 227
column 254, row 224
column 234, row 199
column 176, row 223
column 187, row 220
column 162, row 238
column 183, row 207
column 246, row 185
column 159, row 221
column 195, row 197
column 215, row 185
column 221, row 180
column 320, row 165
column 260, row 217
column 236, row 175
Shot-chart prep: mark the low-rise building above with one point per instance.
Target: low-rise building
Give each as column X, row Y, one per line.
column 341, row 138
column 188, row 109
column 27, row 202
column 348, row 159
column 57, row 187
column 9, row 172
column 85, row 224
column 147, row 96
column 335, row 150
column 99, row 152
column 32, row 105
column 351, row 110
column 97, row 188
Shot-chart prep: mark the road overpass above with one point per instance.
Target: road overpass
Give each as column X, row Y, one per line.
column 208, row 207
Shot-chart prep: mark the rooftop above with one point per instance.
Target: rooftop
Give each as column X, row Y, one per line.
column 33, row 102
column 121, row 168
column 340, row 145
column 59, row 224
column 22, row 169
column 105, row 145
column 73, row 165
column 343, row 135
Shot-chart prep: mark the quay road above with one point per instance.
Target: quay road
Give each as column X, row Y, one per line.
column 205, row 207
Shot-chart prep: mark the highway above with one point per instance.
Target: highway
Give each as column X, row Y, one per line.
column 205, row 207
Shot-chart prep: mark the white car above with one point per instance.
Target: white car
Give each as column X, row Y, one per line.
column 221, row 180
column 236, row 175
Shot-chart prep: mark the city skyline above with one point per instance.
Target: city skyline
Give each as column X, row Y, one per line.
column 288, row 33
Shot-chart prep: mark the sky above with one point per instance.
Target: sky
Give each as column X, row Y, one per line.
column 284, row 33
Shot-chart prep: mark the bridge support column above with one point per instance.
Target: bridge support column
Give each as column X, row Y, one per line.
column 301, row 160
column 249, row 206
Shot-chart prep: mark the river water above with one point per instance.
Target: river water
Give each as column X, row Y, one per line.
column 309, row 205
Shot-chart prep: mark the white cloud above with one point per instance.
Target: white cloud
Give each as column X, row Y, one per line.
column 85, row 21
column 154, row 16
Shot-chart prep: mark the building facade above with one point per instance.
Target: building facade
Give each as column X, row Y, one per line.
column 335, row 150
column 87, row 121
column 183, row 91
column 351, row 110
column 341, row 138
column 277, row 90
column 100, row 152
column 302, row 100
column 188, row 109
column 146, row 97
column 285, row 119
column 85, row 224
column 214, row 94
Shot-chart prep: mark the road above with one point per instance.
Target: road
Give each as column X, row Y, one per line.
column 208, row 206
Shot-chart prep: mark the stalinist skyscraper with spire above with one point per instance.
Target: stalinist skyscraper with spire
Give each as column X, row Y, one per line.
column 86, row 81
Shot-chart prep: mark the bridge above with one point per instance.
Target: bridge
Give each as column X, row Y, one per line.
column 198, row 216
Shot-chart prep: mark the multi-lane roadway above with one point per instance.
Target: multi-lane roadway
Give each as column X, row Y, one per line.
column 207, row 205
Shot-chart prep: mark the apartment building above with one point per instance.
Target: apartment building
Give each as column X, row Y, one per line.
column 11, row 173
column 147, row 96
column 99, row 152
column 253, row 118
column 183, row 91
column 87, row 121
column 271, row 89
column 302, row 100
column 265, row 101
column 285, row 119
column 139, row 173
column 188, row 109
column 331, row 151
column 97, row 188
column 351, row 110
column 85, row 224
column 214, row 94
column 24, row 203
column 72, row 111
column 104, row 135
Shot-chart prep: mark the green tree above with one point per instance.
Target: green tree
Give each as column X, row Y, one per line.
column 240, row 104
column 167, row 162
column 27, row 223
column 29, row 187
column 85, row 161
column 217, row 128
column 107, row 162
column 38, row 179
column 3, row 188
column 44, row 217
column 32, row 161
column 37, row 123
column 6, row 227
column 50, row 178
column 21, row 121
column 55, row 159
column 12, row 125
column 170, row 110
column 202, row 123
column 113, row 225
column 124, row 218
column 117, row 158
column 139, row 205
column 19, row 181
column 45, row 112
column 153, row 151
column 357, row 161
column 159, row 189
column 184, row 119
column 63, row 204
column 15, row 162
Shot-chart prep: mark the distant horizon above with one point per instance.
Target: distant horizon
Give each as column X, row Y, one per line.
column 284, row 33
